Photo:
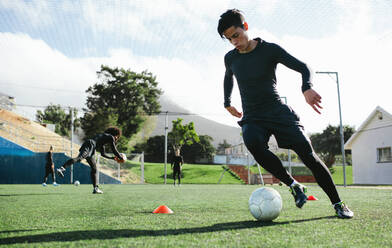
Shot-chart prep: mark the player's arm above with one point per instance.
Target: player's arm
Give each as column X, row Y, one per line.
column 114, row 149
column 311, row 96
column 227, row 90
column 103, row 153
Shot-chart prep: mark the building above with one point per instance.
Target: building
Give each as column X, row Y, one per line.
column 371, row 146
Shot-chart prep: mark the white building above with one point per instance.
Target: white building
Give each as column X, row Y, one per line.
column 371, row 146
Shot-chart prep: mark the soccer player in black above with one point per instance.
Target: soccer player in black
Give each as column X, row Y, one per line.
column 253, row 62
column 87, row 151
column 49, row 167
column 176, row 165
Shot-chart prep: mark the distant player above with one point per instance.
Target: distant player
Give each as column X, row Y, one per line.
column 176, row 165
column 253, row 62
column 87, row 151
column 49, row 167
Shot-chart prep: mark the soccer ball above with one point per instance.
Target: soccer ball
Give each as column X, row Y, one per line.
column 265, row 204
column 77, row 183
column 124, row 157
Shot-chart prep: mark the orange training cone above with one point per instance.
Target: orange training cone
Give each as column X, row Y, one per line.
column 312, row 198
column 162, row 209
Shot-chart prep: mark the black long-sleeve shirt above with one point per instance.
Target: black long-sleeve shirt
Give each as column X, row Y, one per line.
column 101, row 140
column 49, row 159
column 255, row 74
column 177, row 161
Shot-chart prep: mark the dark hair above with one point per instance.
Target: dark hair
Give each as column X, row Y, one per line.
column 113, row 131
column 232, row 17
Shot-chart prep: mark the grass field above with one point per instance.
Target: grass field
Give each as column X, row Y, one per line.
column 191, row 174
column 210, row 174
column 204, row 216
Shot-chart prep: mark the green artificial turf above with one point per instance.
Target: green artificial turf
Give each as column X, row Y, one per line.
column 204, row 216
column 154, row 173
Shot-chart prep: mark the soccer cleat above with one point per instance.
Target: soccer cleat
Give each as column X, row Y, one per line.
column 298, row 191
column 342, row 211
column 97, row 191
column 55, row 184
column 44, row 184
column 60, row 172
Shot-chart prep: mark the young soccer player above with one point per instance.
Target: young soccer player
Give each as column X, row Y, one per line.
column 176, row 165
column 49, row 167
column 253, row 62
column 87, row 151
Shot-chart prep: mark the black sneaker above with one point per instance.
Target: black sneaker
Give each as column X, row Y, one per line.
column 97, row 191
column 298, row 191
column 342, row 211
column 60, row 172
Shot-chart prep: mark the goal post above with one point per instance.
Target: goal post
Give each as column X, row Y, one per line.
column 122, row 171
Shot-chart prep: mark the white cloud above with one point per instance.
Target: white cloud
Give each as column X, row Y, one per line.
column 360, row 57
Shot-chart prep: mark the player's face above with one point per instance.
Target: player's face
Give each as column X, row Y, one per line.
column 237, row 37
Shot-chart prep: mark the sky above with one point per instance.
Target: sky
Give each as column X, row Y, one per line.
column 51, row 50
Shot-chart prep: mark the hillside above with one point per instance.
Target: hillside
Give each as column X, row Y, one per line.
column 203, row 126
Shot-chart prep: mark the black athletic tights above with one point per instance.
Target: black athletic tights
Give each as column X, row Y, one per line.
column 304, row 150
column 90, row 161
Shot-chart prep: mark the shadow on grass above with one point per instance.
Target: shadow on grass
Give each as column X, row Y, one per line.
column 134, row 233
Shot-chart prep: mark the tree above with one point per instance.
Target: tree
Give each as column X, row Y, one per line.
column 222, row 147
column 202, row 149
column 55, row 114
column 153, row 148
column 182, row 134
column 121, row 98
column 327, row 144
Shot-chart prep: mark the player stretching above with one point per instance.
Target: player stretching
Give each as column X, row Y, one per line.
column 49, row 167
column 177, row 161
column 253, row 63
column 87, row 151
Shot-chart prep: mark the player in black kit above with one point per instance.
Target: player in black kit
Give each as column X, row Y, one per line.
column 87, row 151
column 49, row 167
column 176, row 165
column 253, row 63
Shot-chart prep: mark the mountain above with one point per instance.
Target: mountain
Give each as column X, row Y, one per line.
column 203, row 126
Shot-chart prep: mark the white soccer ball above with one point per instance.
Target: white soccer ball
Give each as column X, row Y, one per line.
column 265, row 204
column 124, row 157
column 77, row 183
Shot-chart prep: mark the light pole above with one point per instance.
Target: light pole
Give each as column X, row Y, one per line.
column 166, row 128
column 288, row 150
column 341, row 125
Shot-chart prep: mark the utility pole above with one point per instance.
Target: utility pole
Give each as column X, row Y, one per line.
column 288, row 150
column 341, row 123
column 72, row 131
column 166, row 128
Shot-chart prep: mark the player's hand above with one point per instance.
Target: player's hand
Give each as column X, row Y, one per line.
column 234, row 112
column 119, row 160
column 313, row 99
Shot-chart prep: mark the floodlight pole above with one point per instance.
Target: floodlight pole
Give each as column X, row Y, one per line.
column 72, row 131
column 341, row 124
column 166, row 128
column 288, row 150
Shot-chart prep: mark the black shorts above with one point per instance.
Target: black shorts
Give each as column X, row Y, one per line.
column 280, row 121
column 87, row 149
column 49, row 169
